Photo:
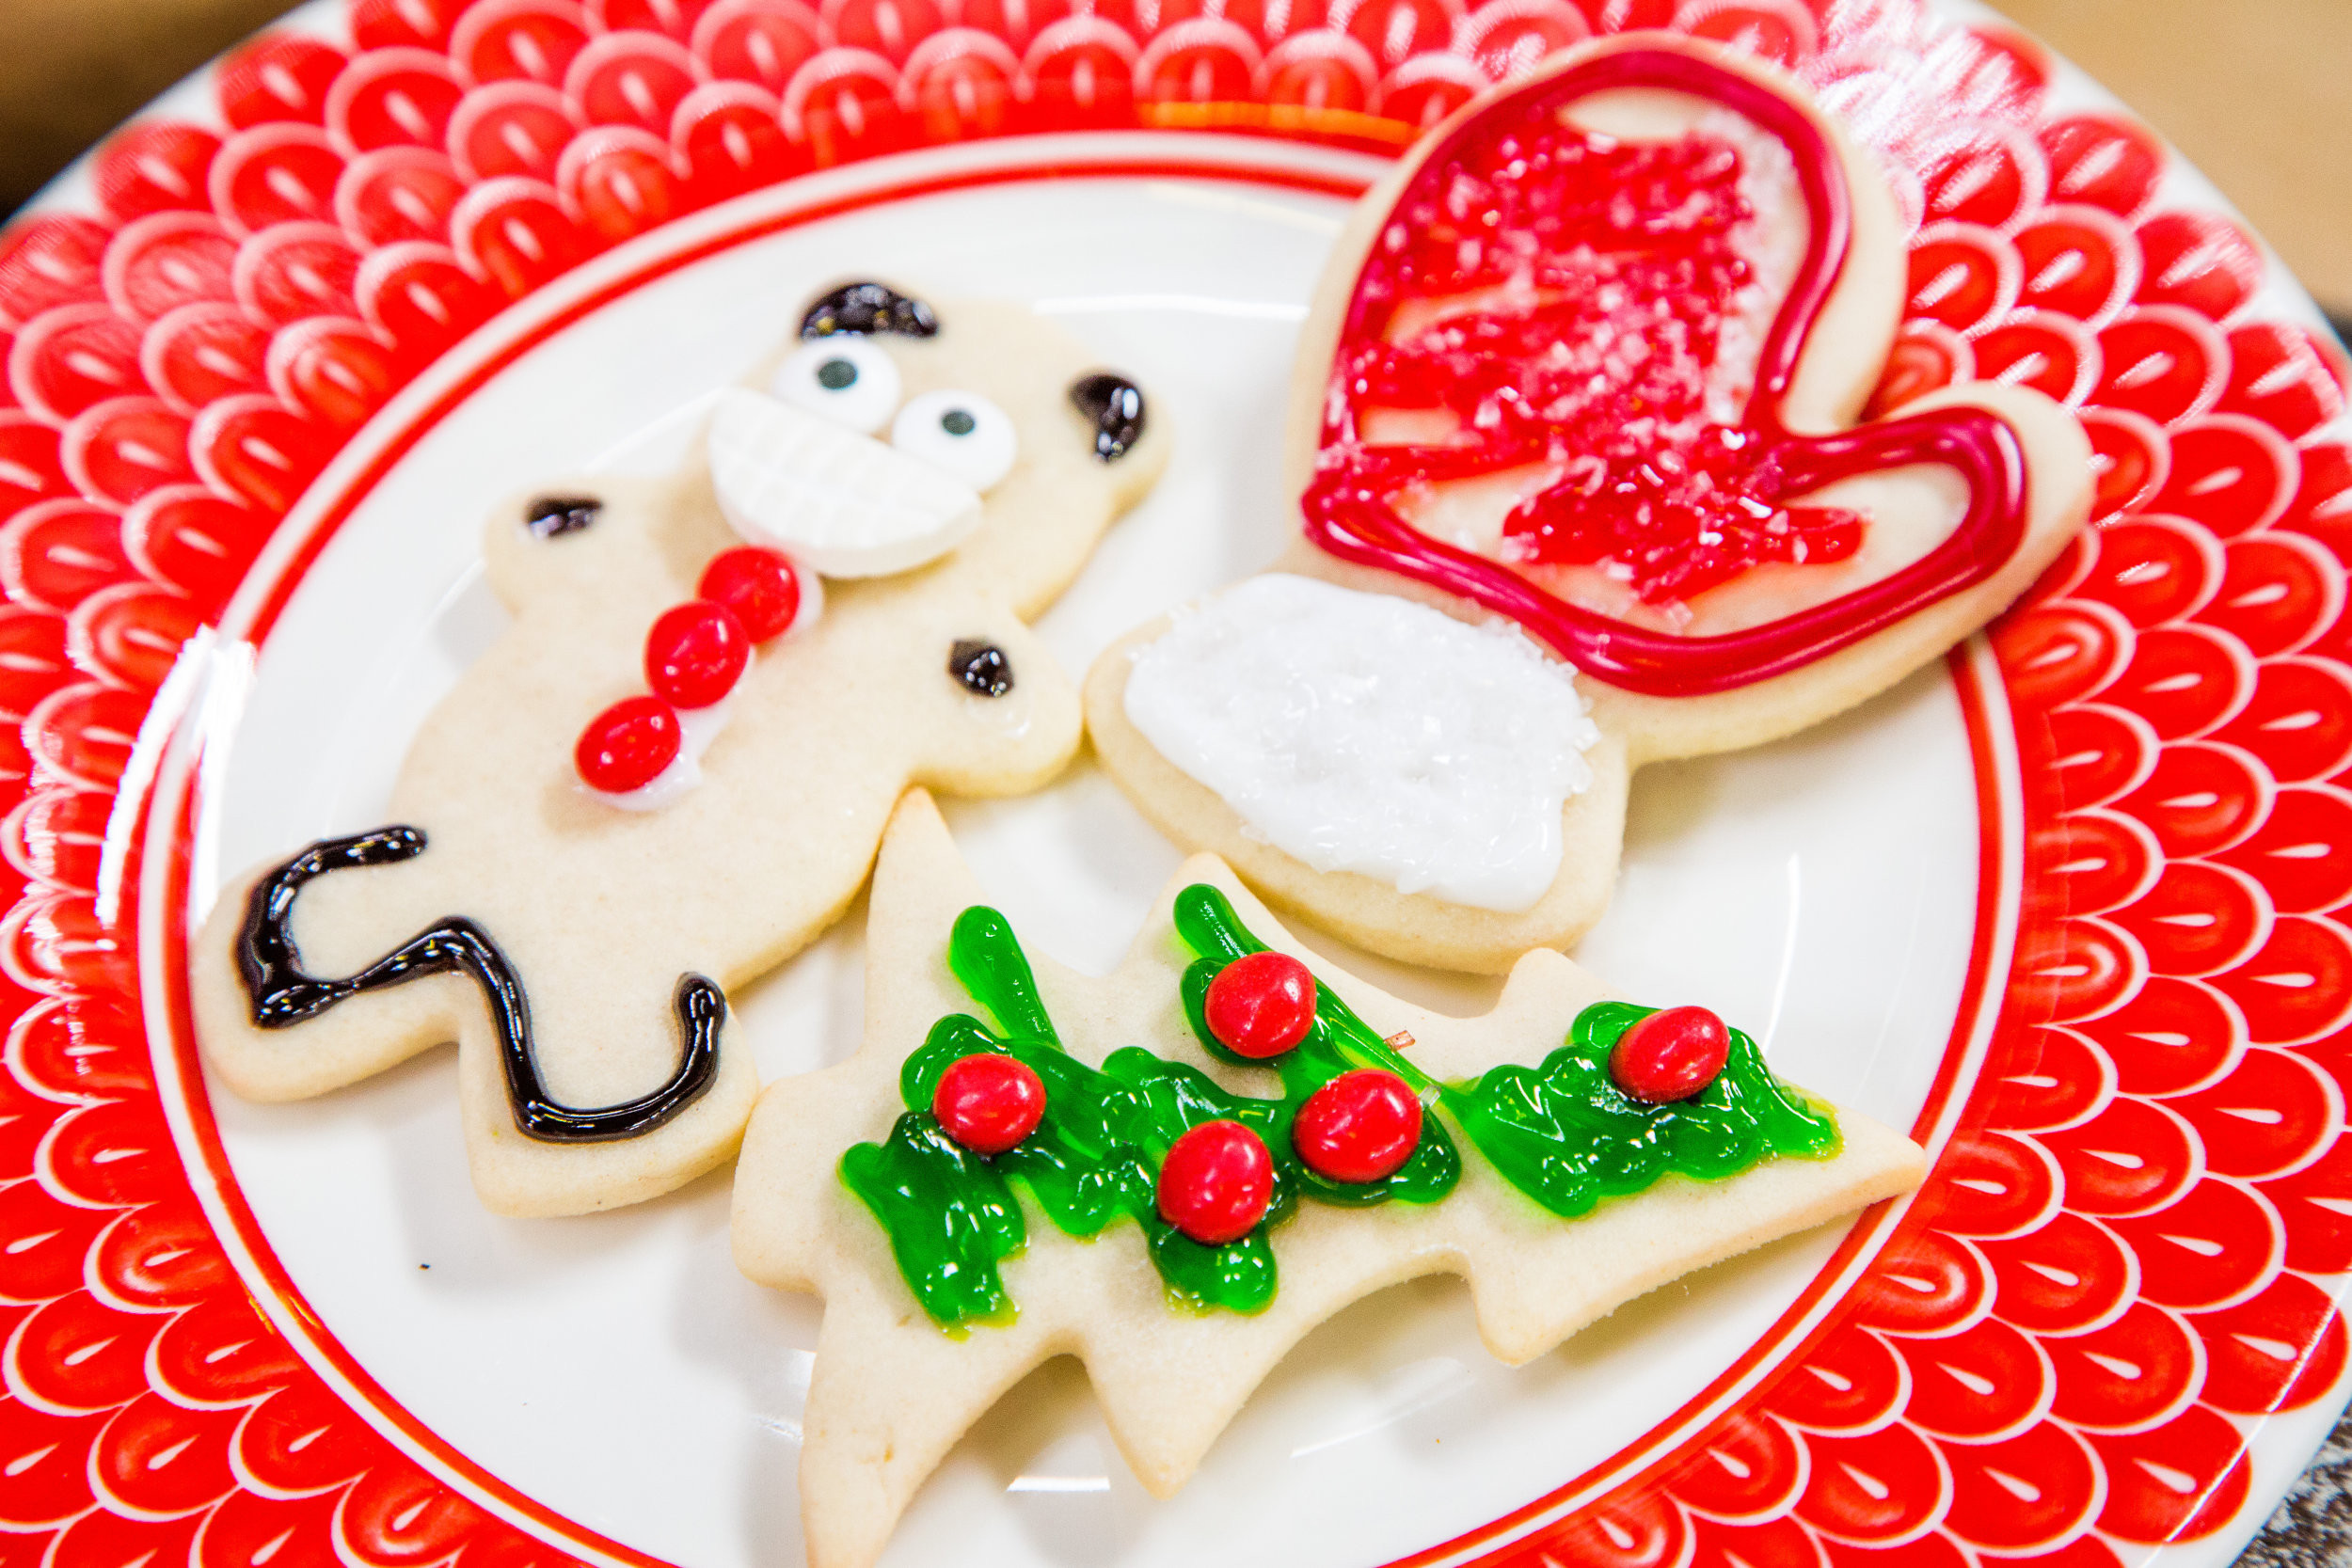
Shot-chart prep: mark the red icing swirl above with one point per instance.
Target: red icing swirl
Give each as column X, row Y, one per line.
column 1612, row 270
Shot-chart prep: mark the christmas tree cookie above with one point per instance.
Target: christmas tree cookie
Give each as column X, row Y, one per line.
column 1176, row 1171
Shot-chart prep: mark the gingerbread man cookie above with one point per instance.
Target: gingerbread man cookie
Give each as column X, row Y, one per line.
column 674, row 770
column 1578, row 444
column 1178, row 1170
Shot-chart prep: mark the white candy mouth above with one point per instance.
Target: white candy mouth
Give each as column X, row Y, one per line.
column 844, row 505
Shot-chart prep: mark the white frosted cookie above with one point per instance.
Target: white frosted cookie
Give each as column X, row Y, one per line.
column 672, row 772
column 1365, row 733
column 949, row 1271
column 1592, row 363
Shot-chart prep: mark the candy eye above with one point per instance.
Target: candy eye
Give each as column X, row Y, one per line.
column 843, row 378
column 961, row 433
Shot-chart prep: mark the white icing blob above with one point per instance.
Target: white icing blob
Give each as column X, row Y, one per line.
column 1360, row 732
column 842, row 504
column 699, row 726
column 672, row 783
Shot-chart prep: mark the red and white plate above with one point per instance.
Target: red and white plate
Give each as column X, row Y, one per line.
column 2066, row 906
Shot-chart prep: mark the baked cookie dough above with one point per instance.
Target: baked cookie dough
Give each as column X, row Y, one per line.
column 624, row 811
column 945, row 1284
column 1592, row 364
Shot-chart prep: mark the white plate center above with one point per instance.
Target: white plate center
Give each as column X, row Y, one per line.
column 1819, row 894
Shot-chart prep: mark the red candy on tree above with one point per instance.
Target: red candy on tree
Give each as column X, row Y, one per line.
column 988, row 1101
column 1260, row 1004
column 1359, row 1127
column 1216, row 1182
column 627, row 745
column 759, row 584
column 1670, row 1055
column 695, row 654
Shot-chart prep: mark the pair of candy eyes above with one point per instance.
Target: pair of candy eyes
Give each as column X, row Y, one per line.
column 852, row 381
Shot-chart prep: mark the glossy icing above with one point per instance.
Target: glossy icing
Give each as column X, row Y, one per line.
column 1208, row 1173
column 283, row 995
column 1366, row 732
column 1520, row 211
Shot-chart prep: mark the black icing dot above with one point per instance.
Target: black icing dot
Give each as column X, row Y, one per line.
column 1114, row 406
column 957, row 421
column 834, row 374
column 982, row 667
column 550, row 515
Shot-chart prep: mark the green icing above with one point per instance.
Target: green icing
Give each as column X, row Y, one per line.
column 1561, row 1133
column 1565, row 1136
column 948, row 1214
column 1094, row 1159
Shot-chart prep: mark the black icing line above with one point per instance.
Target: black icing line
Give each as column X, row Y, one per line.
column 551, row 516
column 869, row 307
column 1114, row 405
column 283, row 994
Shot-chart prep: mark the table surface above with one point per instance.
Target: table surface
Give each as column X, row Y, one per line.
column 2254, row 92
column 2251, row 91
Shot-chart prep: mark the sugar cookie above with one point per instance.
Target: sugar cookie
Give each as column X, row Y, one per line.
column 1592, row 361
column 672, row 772
column 1209, row 1151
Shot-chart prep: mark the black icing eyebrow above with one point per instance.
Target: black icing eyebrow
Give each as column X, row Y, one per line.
column 869, row 307
column 550, row 516
column 1115, row 404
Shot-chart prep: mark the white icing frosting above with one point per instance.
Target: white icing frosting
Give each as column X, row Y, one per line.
column 1360, row 732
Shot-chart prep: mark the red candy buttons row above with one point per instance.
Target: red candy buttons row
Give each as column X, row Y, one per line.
column 1215, row 1185
column 694, row 655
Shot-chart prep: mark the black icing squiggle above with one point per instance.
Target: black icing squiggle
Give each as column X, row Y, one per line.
column 283, row 994
column 869, row 307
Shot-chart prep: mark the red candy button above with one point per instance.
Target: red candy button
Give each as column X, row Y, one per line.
column 1216, row 1182
column 695, row 654
column 989, row 1102
column 1670, row 1055
column 1260, row 1004
column 627, row 745
column 1359, row 1127
column 759, row 585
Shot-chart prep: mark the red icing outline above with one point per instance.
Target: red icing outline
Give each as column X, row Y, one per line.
column 1348, row 514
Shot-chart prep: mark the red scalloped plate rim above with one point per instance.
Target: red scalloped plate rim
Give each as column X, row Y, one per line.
column 2163, row 840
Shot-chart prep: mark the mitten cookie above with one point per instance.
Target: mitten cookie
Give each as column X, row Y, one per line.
column 1584, row 378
